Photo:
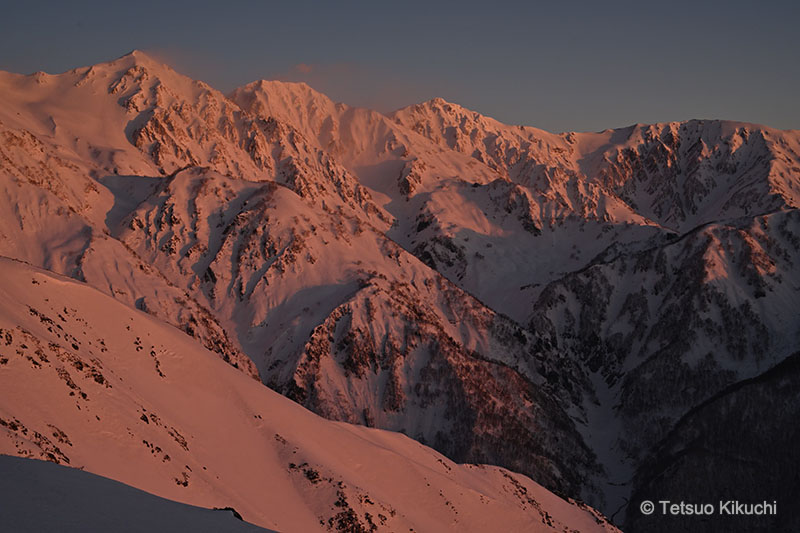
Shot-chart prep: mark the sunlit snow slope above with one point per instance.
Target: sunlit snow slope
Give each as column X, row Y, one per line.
column 89, row 383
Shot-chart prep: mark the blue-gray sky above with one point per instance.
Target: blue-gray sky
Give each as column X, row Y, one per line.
column 560, row 65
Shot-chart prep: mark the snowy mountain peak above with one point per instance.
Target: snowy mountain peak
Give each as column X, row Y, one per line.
column 297, row 92
column 439, row 105
column 138, row 57
column 435, row 109
column 294, row 103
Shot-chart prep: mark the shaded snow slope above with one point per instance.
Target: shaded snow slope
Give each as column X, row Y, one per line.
column 42, row 496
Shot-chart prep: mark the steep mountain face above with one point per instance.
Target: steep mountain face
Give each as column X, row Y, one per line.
column 508, row 150
column 679, row 175
column 47, row 222
column 392, row 160
column 666, row 328
column 352, row 326
column 461, row 212
column 663, row 316
column 91, row 383
column 686, row 174
column 556, row 304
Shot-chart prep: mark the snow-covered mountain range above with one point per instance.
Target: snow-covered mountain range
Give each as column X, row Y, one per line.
column 565, row 306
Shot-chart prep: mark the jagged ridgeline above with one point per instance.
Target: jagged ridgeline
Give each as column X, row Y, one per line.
column 554, row 304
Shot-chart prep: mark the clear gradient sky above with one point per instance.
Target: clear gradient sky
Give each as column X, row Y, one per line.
column 560, row 66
